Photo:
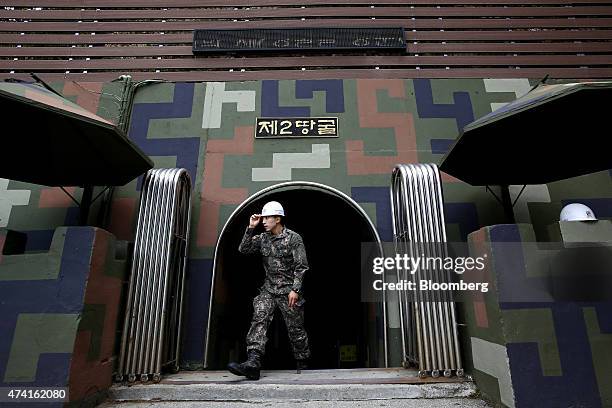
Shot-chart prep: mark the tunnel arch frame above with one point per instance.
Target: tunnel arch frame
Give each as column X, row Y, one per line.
column 262, row 193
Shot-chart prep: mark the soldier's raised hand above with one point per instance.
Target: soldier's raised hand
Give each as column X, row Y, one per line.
column 292, row 298
column 254, row 220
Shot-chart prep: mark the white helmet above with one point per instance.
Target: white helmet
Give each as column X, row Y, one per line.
column 577, row 212
column 272, row 208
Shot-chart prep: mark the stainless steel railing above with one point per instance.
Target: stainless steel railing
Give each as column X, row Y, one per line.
column 152, row 327
column 428, row 318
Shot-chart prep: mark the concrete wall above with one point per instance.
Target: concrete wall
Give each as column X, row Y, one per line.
column 60, row 314
column 525, row 345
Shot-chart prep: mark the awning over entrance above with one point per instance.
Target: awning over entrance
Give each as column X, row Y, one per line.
column 55, row 142
column 552, row 133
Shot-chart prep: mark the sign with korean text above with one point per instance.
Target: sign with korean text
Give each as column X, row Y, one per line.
column 299, row 39
column 296, row 127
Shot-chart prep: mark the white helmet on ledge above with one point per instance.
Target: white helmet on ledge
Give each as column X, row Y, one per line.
column 272, row 208
column 577, row 212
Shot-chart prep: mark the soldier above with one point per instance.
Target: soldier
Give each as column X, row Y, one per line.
column 284, row 260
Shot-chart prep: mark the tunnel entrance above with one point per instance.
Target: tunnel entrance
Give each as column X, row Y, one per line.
column 343, row 331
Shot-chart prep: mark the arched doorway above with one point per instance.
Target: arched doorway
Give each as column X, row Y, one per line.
column 343, row 331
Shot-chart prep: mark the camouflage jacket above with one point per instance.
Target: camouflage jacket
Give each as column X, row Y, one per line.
column 284, row 258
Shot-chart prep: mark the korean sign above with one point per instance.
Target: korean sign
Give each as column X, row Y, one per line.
column 297, row 39
column 296, row 127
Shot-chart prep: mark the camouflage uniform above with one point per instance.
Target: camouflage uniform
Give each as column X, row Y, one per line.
column 284, row 260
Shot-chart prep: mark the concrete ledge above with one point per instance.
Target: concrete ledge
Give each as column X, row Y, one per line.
column 398, row 403
column 248, row 391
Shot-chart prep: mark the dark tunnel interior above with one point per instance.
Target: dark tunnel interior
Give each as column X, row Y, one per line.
column 341, row 328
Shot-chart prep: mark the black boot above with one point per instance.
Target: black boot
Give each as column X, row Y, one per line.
column 250, row 368
column 301, row 364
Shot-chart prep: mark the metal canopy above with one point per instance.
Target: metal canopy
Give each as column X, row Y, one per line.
column 552, row 133
column 51, row 141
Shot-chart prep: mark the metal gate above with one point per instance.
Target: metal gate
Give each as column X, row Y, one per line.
column 152, row 326
column 428, row 319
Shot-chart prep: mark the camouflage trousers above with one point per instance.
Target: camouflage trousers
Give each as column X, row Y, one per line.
column 264, row 305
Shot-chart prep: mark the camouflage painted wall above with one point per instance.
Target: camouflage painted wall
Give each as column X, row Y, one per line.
column 60, row 314
column 208, row 128
column 525, row 348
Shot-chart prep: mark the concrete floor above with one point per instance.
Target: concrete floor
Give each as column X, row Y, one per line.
column 331, row 376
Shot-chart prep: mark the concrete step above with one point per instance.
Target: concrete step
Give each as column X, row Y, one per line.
column 345, row 387
column 400, row 403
